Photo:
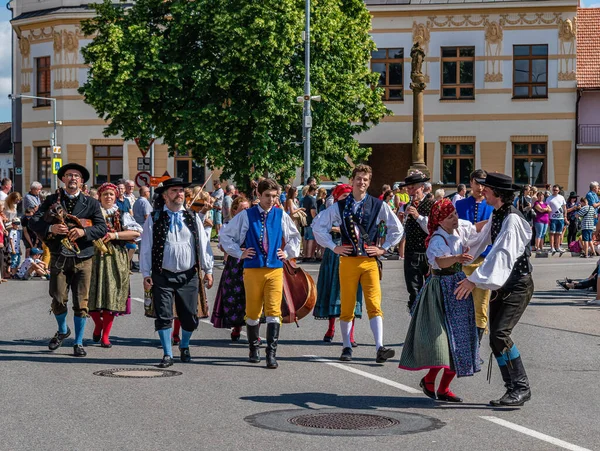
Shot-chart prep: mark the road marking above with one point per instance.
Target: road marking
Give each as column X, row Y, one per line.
column 351, row 369
column 535, row 434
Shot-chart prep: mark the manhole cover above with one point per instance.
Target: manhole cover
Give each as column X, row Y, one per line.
column 352, row 421
column 344, row 422
column 137, row 373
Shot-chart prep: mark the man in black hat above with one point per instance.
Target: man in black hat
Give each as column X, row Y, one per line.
column 506, row 271
column 415, row 214
column 71, row 250
column 174, row 248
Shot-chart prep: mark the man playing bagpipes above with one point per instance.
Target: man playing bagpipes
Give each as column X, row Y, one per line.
column 69, row 222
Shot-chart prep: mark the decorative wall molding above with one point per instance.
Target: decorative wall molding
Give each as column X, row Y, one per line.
column 457, row 139
column 66, row 58
column 567, row 32
column 107, row 142
column 529, row 138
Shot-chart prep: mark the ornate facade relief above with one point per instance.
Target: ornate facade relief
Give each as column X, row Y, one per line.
column 567, row 31
column 26, row 69
column 493, row 49
column 422, row 36
column 66, row 57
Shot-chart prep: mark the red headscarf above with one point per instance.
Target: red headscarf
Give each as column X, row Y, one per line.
column 106, row 186
column 339, row 190
column 440, row 211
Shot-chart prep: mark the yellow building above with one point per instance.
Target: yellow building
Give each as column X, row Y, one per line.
column 501, row 88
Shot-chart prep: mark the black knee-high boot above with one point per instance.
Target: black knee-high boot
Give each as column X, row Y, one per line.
column 507, row 383
column 520, row 392
column 480, row 332
column 253, row 343
column 272, row 339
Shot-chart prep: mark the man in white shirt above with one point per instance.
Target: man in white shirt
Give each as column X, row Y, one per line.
column 461, row 190
column 558, row 219
column 174, row 248
column 261, row 229
column 506, row 271
column 359, row 215
column 5, row 188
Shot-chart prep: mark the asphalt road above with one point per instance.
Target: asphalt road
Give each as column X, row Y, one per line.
column 54, row 401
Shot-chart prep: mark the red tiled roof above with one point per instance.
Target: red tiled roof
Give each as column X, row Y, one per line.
column 588, row 48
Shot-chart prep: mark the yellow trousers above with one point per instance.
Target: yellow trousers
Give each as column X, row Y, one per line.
column 481, row 297
column 264, row 288
column 46, row 255
column 363, row 270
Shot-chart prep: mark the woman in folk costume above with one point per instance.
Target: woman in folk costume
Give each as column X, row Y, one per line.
column 230, row 302
column 109, row 287
column 328, row 304
column 442, row 332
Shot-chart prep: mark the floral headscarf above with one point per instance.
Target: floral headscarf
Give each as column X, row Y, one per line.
column 440, row 211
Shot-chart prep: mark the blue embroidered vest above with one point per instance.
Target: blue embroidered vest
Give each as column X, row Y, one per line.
column 254, row 238
column 367, row 226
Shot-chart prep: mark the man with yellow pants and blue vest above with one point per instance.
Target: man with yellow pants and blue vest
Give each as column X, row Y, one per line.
column 359, row 215
column 256, row 236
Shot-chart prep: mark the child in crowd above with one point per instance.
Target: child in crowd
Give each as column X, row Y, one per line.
column 587, row 214
column 33, row 266
column 14, row 243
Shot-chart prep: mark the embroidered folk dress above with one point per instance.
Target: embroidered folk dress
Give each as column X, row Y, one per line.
column 109, row 288
column 442, row 331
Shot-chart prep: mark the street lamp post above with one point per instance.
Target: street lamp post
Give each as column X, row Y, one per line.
column 306, row 115
column 54, row 122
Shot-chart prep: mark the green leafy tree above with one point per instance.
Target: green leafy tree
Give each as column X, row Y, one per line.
column 220, row 78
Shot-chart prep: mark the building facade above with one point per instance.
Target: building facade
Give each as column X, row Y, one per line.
column 501, row 92
column 48, row 63
column 588, row 98
column 501, row 88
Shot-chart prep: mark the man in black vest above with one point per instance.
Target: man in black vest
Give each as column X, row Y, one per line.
column 415, row 215
column 506, row 271
column 71, row 250
column 174, row 247
column 359, row 216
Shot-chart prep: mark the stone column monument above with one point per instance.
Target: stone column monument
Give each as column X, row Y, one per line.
column 418, row 86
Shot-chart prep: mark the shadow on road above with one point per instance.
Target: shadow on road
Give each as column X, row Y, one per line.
column 362, row 402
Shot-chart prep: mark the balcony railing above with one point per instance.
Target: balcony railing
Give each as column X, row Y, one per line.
column 589, row 134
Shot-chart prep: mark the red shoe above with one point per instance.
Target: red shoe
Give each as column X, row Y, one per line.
column 448, row 397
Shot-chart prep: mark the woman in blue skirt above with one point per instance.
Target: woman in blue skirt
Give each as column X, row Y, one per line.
column 443, row 334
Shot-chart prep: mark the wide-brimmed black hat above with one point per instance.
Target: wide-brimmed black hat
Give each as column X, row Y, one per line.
column 175, row 181
column 572, row 195
column 413, row 179
column 499, row 181
column 85, row 174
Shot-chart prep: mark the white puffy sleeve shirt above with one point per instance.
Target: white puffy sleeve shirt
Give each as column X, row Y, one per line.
column 443, row 244
column 510, row 244
column 234, row 235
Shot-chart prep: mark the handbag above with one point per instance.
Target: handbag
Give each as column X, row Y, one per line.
column 300, row 218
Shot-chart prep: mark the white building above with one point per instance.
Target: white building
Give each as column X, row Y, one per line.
column 501, row 88
column 501, row 92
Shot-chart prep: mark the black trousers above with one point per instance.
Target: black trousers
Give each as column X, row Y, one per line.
column 415, row 270
column 506, row 308
column 180, row 287
column 572, row 231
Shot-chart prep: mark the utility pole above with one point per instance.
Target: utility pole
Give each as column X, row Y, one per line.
column 307, row 116
column 54, row 137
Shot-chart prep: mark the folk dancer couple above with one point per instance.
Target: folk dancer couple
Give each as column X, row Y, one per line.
column 442, row 333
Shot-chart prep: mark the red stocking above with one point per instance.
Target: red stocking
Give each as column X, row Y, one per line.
column 236, row 331
column 176, row 326
column 107, row 323
column 447, row 377
column 430, row 378
column 97, row 317
column 352, row 331
column 331, row 330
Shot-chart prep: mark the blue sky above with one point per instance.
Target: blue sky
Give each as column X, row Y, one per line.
column 5, row 34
